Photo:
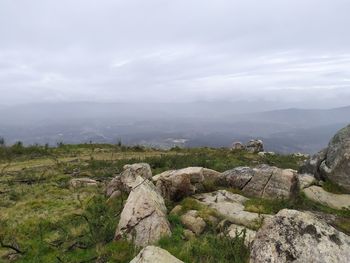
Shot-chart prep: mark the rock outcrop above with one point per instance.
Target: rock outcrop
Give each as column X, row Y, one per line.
column 177, row 184
column 255, row 146
column 237, row 146
column 263, row 181
column 126, row 179
column 293, row 236
column 336, row 201
column 193, row 222
column 152, row 254
column 231, row 207
column 333, row 163
column 144, row 217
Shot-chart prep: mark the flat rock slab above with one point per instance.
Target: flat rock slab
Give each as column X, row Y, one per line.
column 152, row 254
column 336, row 201
column 299, row 237
column 231, row 206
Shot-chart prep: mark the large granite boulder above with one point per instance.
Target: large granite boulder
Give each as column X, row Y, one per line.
column 176, row 184
column 152, row 254
column 126, row 179
column 263, row 181
column 294, row 236
column 336, row 166
column 144, row 217
column 333, row 163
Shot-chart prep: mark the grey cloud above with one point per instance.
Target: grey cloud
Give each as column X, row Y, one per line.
column 294, row 51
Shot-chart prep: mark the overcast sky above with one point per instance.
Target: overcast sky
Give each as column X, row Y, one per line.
column 293, row 51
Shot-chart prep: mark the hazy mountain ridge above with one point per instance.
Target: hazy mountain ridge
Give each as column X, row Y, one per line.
column 163, row 125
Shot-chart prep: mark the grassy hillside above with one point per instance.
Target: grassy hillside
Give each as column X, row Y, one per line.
column 42, row 219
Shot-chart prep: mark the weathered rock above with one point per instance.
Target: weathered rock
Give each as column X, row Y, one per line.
column 193, row 222
column 336, row 201
column 143, row 218
column 231, row 207
column 82, row 182
column 306, row 180
column 238, row 177
column 237, row 146
column 263, row 181
column 126, row 179
column 336, row 166
column 114, row 185
column 176, row 184
column 132, row 171
column 255, row 146
column 293, row 236
column 176, row 210
column 234, row 230
column 152, row 254
column 311, row 166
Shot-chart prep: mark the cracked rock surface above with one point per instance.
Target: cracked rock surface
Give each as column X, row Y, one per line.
column 294, row 236
column 144, row 217
column 263, row 181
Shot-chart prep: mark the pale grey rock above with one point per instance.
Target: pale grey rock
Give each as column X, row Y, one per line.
column 132, row 171
column 231, row 207
column 152, row 254
column 263, row 181
column 306, row 180
column 237, row 177
column 255, row 146
column 193, row 222
column 82, row 182
column 144, row 217
column 294, row 236
column 237, row 146
column 312, row 165
column 125, row 180
column 336, row 166
column 336, row 201
column 114, row 185
column 177, row 184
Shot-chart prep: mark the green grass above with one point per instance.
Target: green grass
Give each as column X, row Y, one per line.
column 50, row 222
column 334, row 188
column 207, row 248
column 301, row 202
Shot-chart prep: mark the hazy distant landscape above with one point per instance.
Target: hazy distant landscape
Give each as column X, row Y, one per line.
column 214, row 124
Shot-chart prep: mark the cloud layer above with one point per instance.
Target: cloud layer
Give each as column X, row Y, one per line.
column 291, row 51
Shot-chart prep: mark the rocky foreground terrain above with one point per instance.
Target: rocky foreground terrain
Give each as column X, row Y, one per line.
column 270, row 209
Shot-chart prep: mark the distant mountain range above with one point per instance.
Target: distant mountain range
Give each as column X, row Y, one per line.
column 164, row 125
